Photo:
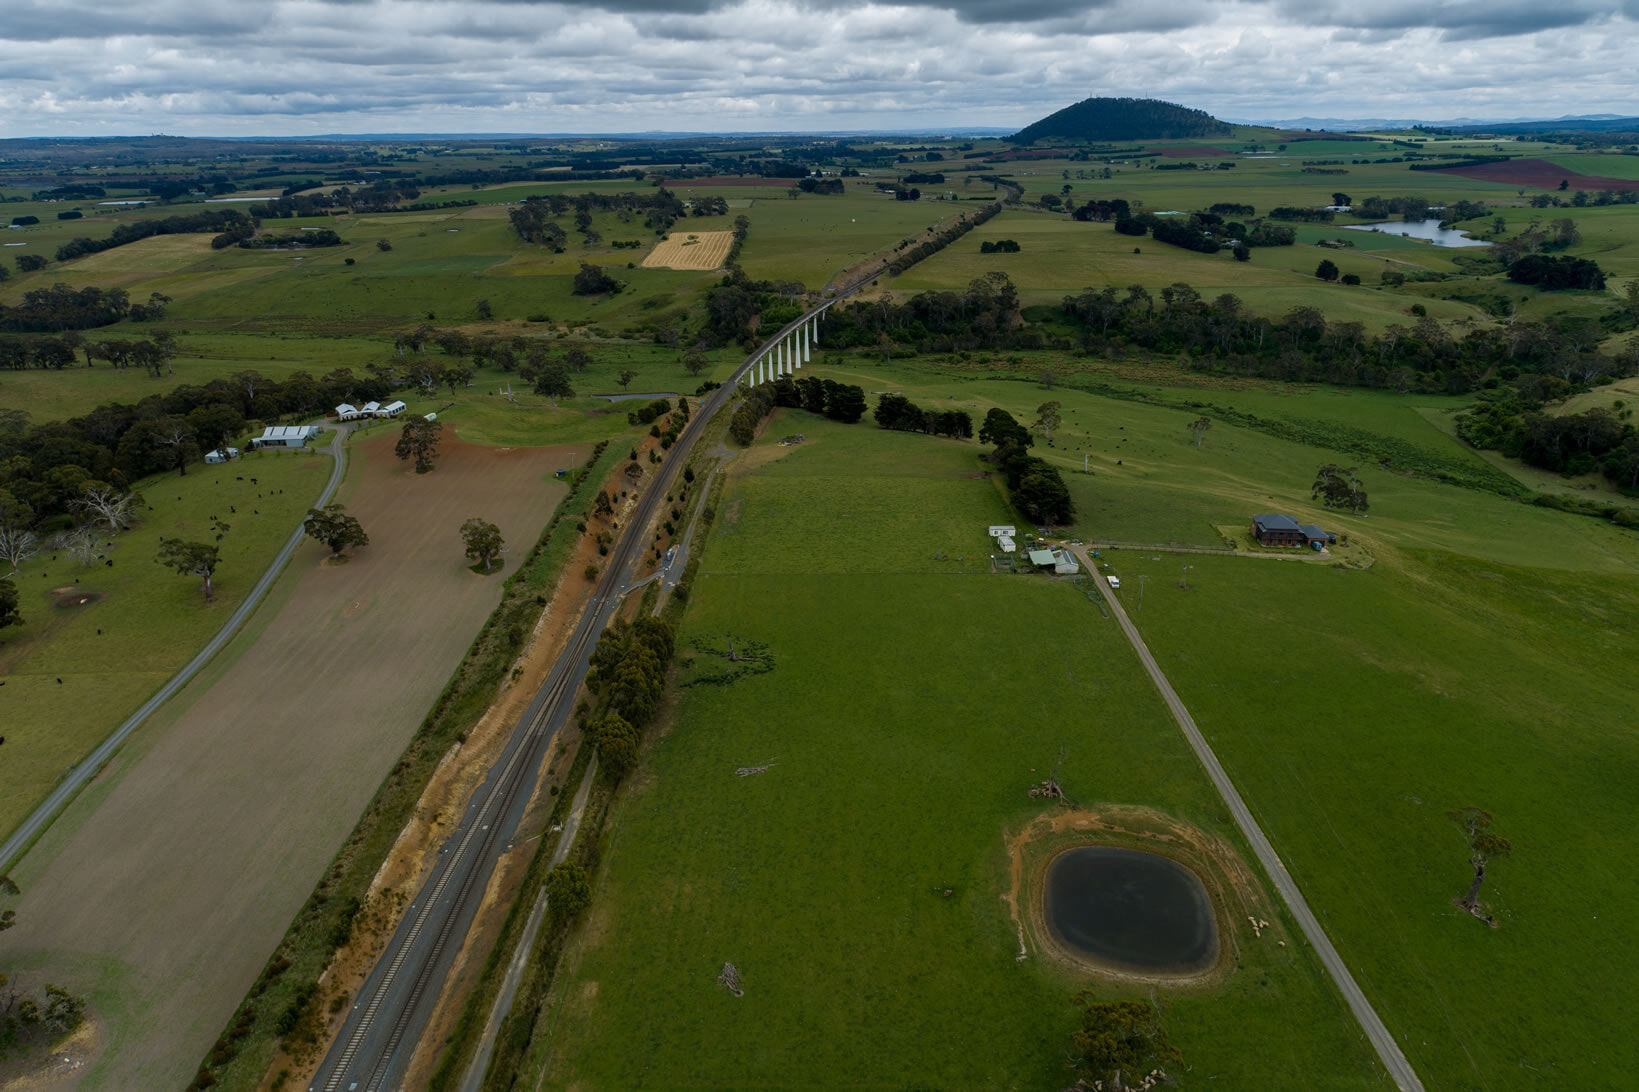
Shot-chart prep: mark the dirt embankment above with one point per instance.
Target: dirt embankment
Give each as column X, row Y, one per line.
column 1244, row 912
column 458, row 775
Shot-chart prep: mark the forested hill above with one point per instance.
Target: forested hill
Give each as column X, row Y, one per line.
column 1122, row 119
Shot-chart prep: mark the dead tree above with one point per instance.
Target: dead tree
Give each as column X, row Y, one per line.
column 1050, row 789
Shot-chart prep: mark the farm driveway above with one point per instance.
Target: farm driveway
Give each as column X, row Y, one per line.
column 164, row 887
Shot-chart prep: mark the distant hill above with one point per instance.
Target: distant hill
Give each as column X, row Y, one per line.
column 1122, row 119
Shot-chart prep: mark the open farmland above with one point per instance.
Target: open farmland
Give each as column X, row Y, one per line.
column 905, row 714
column 113, row 634
column 1059, row 257
column 1539, row 173
column 1397, row 701
column 690, row 250
column 313, row 701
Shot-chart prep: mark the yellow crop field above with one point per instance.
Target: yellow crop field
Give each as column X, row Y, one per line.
column 690, row 250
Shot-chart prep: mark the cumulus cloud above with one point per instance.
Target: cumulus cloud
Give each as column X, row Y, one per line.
column 295, row 66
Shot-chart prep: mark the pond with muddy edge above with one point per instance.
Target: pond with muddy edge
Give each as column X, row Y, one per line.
column 1133, row 910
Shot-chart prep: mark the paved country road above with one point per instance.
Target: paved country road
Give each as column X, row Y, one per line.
column 42, row 816
column 379, row 1036
column 1387, row 1049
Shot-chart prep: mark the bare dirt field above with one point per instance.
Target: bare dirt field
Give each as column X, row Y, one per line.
column 690, row 250
column 1539, row 173
column 164, row 887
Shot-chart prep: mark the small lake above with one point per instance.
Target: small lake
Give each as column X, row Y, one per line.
column 1421, row 229
column 1136, row 910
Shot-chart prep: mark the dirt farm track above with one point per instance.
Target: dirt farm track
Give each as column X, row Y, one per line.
column 163, row 888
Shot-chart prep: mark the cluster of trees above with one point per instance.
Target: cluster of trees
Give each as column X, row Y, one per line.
column 1339, row 487
column 28, row 1022
column 308, row 237
column 1303, row 345
column 46, row 470
column 1103, row 211
column 1302, row 215
column 1537, row 238
column 591, row 280
column 895, row 411
column 822, row 186
column 738, row 310
column 533, row 218
column 57, row 353
column 999, row 246
column 418, row 442
column 1208, row 232
column 207, row 220
column 1556, row 273
column 628, row 673
column 1034, row 485
column 1407, row 207
column 1514, row 421
column 63, row 307
column 842, row 402
column 983, row 317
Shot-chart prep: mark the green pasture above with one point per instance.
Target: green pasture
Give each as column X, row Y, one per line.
column 1059, row 256
column 813, row 239
column 769, row 524
column 440, row 264
column 1261, row 183
column 1596, row 165
column 56, row 395
column 1355, row 709
column 905, row 716
column 1150, row 483
column 143, row 621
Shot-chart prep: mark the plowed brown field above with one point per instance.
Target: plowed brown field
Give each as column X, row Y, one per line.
column 1541, row 174
column 164, row 887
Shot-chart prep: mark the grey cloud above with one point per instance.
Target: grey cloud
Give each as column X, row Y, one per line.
column 1461, row 19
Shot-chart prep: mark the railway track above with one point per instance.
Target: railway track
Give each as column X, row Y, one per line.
column 378, row 1037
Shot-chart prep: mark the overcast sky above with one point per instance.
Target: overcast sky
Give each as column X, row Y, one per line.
column 285, row 67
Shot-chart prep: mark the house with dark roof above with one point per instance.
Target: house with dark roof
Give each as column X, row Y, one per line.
column 1275, row 529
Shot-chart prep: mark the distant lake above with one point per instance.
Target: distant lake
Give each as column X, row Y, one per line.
column 1421, row 229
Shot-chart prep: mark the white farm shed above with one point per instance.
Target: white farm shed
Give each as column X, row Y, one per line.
column 346, row 412
column 285, row 436
column 391, row 409
column 369, row 409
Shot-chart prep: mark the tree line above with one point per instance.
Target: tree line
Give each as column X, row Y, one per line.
column 1034, row 485
column 1221, row 335
column 206, row 220
column 534, row 218
column 64, row 307
column 628, row 674
column 841, row 402
column 1513, row 419
column 46, row 469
